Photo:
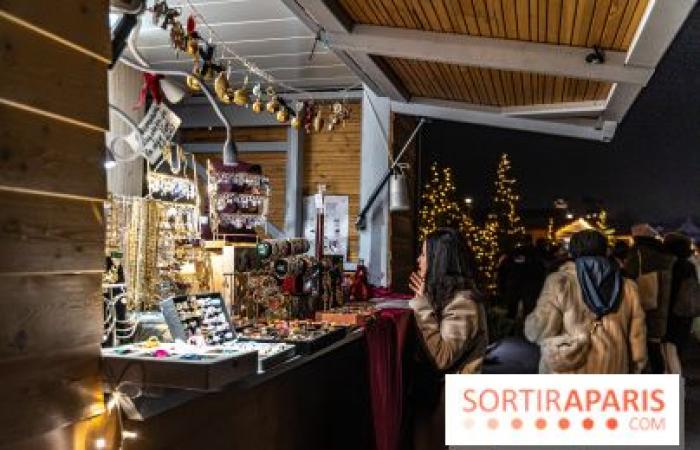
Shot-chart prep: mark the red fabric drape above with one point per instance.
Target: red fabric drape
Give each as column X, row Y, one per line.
column 387, row 338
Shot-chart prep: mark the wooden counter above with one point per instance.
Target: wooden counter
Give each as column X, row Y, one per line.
column 319, row 402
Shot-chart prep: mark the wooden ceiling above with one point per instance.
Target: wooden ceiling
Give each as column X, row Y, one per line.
column 490, row 86
column 611, row 24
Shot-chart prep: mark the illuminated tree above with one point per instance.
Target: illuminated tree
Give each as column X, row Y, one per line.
column 508, row 227
column 439, row 205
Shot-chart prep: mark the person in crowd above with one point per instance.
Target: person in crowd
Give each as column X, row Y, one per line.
column 451, row 323
column 651, row 266
column 620, row 252
column 520, row 278
column 588, row 318
column 678, row 328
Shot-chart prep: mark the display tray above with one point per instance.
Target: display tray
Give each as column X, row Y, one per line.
column 269, row 354
column 306, row 342
column 199, row 317
column 354, row 315
column 176, row 366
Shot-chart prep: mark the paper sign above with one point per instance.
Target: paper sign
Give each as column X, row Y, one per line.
column 158, row 126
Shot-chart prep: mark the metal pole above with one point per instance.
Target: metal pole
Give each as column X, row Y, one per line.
column 361, row 221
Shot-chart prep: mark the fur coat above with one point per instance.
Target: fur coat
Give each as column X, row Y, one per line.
column 571, row 339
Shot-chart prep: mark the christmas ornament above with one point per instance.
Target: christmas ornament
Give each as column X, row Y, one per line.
column 240, row 96
column 178, row 37
column 222, row 88
column 282, row 115
column 318, row 121
column 193, row 83
column 257, row 104
column 308, row 117
column 151, row 83
column 297, row 119
column 272, row 103
column 192, row 37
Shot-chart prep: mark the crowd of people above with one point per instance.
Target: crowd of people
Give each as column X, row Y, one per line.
column 591, row 307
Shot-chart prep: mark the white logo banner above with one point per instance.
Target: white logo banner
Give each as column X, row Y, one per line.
column 556, row 410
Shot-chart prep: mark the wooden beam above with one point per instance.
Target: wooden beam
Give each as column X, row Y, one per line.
column 661, row 22
column 587, row 108
column 324, row 16
column 293, row 212
column 487, row 52
column 454, row 111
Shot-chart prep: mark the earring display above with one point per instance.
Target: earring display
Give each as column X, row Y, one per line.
column 198, row 319
column 307, row 336
column 238, row 200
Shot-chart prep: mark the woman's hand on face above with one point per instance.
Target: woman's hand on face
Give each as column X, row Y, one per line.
column 417, row 284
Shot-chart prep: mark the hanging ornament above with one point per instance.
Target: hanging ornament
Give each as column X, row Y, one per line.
column 282, row 115
column 272, row 103
column 299, row 111
column 193, row 83
column 240, row 96
column 222, row 88
column 308, row 117
column 192, row 37
column 151, row 83
column 257, row 104
column 318, row 121
column 178, row 37
column 206, row 62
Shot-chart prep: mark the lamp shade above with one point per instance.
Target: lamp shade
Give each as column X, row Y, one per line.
column 398, row 193
column 172, row 91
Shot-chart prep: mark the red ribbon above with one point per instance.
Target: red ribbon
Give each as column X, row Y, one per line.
column 151, row 83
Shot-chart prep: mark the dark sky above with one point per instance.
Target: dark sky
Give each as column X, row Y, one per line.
column 650, row 171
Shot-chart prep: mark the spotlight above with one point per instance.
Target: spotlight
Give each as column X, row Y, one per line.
column 110, row 162
column 100, row 443
column 597, row 57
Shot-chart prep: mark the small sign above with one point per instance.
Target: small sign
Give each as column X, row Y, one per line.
column 158, row 127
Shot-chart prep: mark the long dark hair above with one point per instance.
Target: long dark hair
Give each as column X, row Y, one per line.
column 450, row 267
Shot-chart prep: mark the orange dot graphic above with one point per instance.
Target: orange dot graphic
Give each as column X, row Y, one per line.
column 611, row 423
column 493, row 424
column 516, row 423
column 541, row 424
column 588, row 424
column 564, row 424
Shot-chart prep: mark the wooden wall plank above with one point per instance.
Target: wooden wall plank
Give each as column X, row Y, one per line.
column 39, row 309
column 333, row 159
column 47, row 234
column 49, row 352
column 52, row 77
column 44, row 394
column 43, row 154
column 79, row 21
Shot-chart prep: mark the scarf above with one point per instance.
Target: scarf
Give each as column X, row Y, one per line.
column 601, row 282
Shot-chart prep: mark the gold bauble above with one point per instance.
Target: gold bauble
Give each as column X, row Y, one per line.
column 193, row 83
column 282, row 115
column 296, row 122
column 222, row 89
column 257, row 106
column 240, row 97
column 272, row 105
column 318, row 122
column 192, row 47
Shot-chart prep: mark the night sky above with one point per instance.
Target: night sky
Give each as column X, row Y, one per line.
column 650, row 171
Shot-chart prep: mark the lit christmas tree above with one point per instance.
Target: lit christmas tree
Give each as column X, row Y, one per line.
column 505, row 202
column 486, row 252
column 439, row 203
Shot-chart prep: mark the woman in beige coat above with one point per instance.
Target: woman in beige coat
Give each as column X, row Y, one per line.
column 451, row 324
column 588, row 318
